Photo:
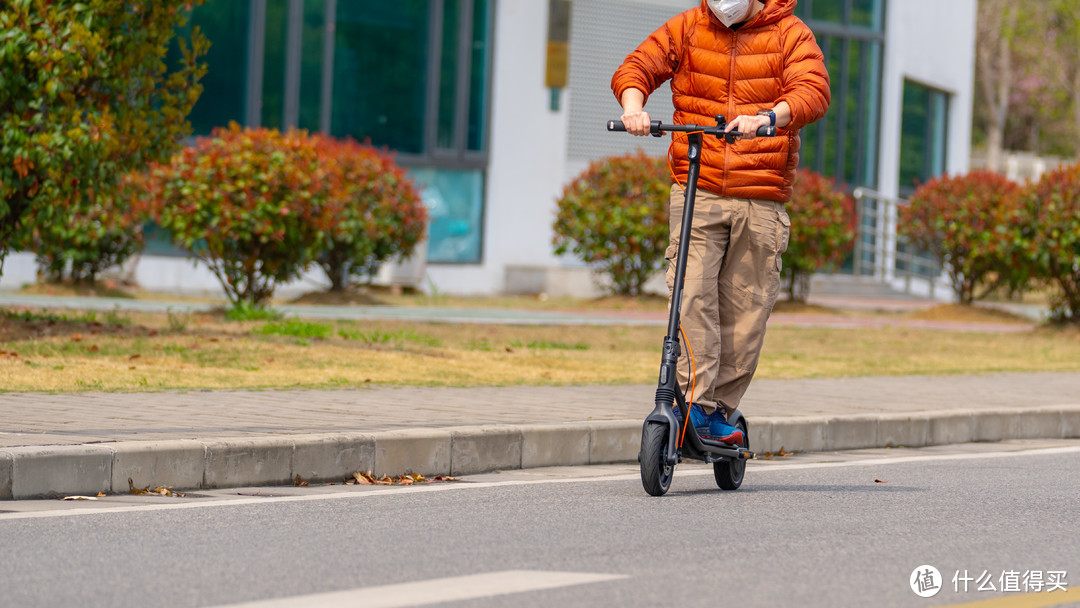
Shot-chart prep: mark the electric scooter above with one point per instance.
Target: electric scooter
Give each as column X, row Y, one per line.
column 664, row 440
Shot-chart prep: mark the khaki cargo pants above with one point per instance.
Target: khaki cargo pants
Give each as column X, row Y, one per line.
column 732, row 281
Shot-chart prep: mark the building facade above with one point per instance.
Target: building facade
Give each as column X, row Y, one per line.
column 494, row 105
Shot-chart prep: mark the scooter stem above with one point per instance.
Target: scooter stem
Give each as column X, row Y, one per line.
column 667, row 388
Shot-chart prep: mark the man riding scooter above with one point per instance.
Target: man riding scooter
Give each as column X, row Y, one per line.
column 755, row 61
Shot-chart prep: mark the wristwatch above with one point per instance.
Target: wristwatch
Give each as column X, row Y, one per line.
column 770, row 114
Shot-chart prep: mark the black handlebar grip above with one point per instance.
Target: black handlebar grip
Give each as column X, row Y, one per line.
column 766, row 131
column 615, row 125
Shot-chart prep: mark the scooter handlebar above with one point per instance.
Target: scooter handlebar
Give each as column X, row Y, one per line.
column 657, row 129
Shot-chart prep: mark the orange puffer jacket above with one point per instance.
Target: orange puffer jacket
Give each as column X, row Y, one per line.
column 715, row 70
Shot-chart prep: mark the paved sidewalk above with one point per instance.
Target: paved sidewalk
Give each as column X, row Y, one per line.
column 84, row 443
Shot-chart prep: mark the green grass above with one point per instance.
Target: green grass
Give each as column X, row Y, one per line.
column 71, row 351
column 548, row 345
column 27, row 316
column 243, row 311
column 377, row 336
column 297, row 329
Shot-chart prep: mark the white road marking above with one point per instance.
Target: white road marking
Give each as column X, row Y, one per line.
column 435, row 591
column 465, row 485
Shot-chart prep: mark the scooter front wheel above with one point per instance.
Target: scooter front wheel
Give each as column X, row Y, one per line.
column 656, row 474
column 729, row 473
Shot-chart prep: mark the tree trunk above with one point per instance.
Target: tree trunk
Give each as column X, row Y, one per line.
column 997, row 22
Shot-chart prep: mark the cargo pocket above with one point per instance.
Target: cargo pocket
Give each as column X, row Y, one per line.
column 783, row 234
column 669, row 255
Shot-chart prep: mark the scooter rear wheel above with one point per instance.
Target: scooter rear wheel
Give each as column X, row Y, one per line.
column 729, row 473
column 656, row 474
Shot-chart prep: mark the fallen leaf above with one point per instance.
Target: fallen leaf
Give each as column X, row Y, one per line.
column 131, row 367
column 213, row 339
column 133, row 490
column 299, row 482
column 93, row 348
column 880, row 481
column 101, row 495
column 79, row 498
column 76, row 337
column 153, row 332
column 361, row 478
column 133, row 357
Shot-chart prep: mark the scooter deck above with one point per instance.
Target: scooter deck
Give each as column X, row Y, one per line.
column 710, row 451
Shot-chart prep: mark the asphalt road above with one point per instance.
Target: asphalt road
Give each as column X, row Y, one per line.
column 814, row 530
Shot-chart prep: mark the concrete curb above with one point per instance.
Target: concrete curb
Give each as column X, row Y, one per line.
column 51, row 471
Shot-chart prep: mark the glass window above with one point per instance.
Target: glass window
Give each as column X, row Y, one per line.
column 827, row 10
column 312, row 40
column 380, row 68
column 868, row 13
column 870, row 108
column 859, row 13
column 833, row 48
column 844, row 143
column 273, row 93
column 224, row 96
column 448, row 70
column 478, row 80
column 455, row 202
column 922, row 135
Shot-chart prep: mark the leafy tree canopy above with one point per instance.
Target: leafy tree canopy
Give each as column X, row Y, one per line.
column 85, row 97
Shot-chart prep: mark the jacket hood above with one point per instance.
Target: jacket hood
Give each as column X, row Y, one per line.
column 773, row 11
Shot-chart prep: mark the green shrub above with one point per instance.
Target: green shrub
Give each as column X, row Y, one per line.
column 378, row 211
column 614, row 216
column 83, row 238
column 1045, row 235
column 250, row 203
column 822, row 231
column 85, row 97
column 960, row 220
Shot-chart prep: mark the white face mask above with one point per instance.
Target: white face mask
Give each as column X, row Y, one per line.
column 729, row 12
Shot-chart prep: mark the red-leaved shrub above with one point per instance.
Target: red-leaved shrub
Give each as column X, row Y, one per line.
column 614, row 215
column 961, row 220
column 377, row 210
column 822, row 231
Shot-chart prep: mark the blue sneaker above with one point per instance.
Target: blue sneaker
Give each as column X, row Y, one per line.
column 720, row 430
column 700, row 420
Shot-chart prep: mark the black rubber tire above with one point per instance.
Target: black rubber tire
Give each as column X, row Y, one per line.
column 729, row 474
column 656, row 474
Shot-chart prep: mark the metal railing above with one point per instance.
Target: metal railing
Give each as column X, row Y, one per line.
column 883, row 255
